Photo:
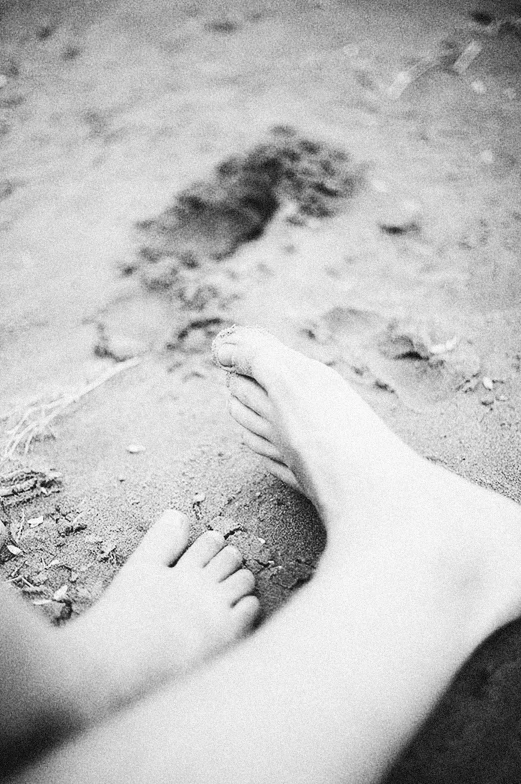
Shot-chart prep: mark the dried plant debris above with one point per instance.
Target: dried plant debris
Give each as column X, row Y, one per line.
column 432, row 342
column 417, row 339
column 211, row 219
column 33, row 422
column 24, row 484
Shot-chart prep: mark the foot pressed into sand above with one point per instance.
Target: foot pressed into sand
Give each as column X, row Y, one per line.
column 371, row 490
column 169, row 608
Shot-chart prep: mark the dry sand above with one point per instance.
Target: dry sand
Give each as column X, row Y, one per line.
column 108, row 111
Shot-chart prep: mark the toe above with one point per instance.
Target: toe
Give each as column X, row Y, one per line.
column 249, row 419
column 166, row 540
column 225, row 563
column 261, row 446
column 239, row 584
column 248, row 351
column 249, row 393
column 246, row 612
column 204, row 549
column 282, row 472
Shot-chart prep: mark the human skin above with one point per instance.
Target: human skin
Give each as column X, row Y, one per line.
column 420, row 567
column 169, row 609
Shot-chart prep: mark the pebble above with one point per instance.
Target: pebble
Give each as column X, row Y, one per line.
column 134, row 449
column 198, row 498
column 479, row 87
column 487, row 382
column 487, row 400
column 60, row 594
column 487, row 156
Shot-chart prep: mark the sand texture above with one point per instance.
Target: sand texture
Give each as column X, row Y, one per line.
column 346, row 175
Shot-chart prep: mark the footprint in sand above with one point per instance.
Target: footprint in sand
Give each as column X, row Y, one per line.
column 422, row 361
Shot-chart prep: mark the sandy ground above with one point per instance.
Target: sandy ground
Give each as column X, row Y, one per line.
column 412, row 290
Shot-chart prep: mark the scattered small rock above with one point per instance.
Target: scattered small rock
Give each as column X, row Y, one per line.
column 198, row 498
column 488, row 399
column 135, row 449
column 487, row 382
column 61, row 593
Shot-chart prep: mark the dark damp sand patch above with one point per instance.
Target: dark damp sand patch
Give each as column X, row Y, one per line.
column 211, row 219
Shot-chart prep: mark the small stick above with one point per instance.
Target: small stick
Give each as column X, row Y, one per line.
column 26, row 430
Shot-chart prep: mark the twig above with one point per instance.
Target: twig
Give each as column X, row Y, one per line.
column 36, row 419
column 459, row 61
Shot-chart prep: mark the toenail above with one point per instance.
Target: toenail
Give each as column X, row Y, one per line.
column 224, row 354
column 235, row 552
column 216, row 535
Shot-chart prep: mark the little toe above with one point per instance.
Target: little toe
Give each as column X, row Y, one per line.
column 204, row 548
column 225, row 563
column 166, row 540
column 261, row 446
column 249, row 393
column 239, row 584
column 247, row 418
column 246, row 612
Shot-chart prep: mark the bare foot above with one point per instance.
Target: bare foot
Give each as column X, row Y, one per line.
column 167, row 610
column 370, row 489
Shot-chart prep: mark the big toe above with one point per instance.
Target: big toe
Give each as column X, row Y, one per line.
column 249, row 351
column 166, row 540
